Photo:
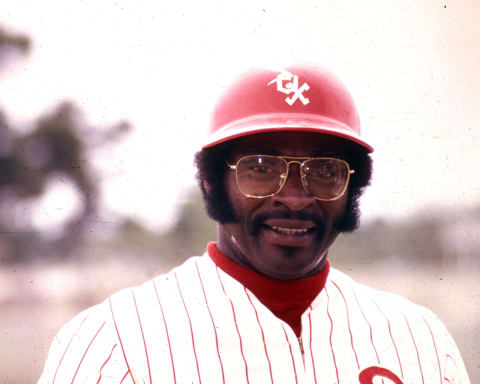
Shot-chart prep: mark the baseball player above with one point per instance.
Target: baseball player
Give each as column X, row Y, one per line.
column 281, row 172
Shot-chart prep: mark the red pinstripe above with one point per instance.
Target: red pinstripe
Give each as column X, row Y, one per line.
column 191, row 328
column 66, row 349
column 263, row 335
column 368, row 323
column 125, row 376
column 348, row 320
column 236, row 326
column 119, row 339
column 166, row 331
column 436, row 351
column 143, row 337
column 391, row 335
column 213, row 323
column 416, row 349
column 105, row 363
column 291, row 354
column 85, row 353
column 331, row 333
column 310, row 344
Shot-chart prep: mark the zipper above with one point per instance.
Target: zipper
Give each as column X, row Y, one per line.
column 300, row 344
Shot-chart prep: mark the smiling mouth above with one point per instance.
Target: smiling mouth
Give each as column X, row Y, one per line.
column 291, row 236
column 291, row 231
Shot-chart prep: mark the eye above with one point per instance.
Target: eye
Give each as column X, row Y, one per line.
column 325, row 173
column 321, row 172
column 261, row 169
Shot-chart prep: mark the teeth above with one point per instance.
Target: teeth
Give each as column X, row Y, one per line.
column 290, row 231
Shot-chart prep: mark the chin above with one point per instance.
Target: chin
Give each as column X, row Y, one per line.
column 289, row 263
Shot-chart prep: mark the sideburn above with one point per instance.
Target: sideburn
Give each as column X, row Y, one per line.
column 350, row 221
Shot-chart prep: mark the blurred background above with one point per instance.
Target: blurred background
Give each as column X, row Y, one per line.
column 103, row 104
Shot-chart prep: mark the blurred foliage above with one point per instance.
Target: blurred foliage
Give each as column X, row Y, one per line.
column 425, row 241
column 188, row 237
column 11, row 44
column 56, row 146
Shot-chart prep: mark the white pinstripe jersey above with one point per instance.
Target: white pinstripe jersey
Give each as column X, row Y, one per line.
column 197, row 324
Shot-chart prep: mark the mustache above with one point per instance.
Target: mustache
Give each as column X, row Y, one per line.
column 257, row 221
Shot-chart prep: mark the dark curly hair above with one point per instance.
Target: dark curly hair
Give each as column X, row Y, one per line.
column 211, row 167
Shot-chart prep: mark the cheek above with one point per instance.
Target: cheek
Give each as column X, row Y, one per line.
column 231, row 188
column 243, row 206
column 335, row 209
column 237, row 199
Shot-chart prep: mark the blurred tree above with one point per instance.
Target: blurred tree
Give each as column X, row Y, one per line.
column 57, row 146
column 11, row 44
column 193, row 226
column 414, row 242
column 163, row 250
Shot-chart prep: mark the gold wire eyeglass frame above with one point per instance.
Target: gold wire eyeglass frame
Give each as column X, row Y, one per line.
column 301, row 162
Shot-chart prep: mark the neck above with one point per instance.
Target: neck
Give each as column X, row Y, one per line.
column 228, row 245
column 286, row 299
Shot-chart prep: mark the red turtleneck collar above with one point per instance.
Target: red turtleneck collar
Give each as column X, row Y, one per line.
column 287, row 299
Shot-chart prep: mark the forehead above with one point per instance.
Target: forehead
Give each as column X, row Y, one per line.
column 304, row 144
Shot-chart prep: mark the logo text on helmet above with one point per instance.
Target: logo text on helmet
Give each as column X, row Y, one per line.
column 288, row 83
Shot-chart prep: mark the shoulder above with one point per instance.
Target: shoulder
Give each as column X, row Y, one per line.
column 151, row 291
column 383, row 300
column 129, row 307
column 380, row 307
column 397, row 324
column 97, row 340
column 82, row 347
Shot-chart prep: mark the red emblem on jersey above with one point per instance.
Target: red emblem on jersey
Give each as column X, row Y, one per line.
column 367, row 375
column 451, row 371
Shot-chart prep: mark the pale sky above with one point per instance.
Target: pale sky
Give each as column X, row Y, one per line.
column 412, row 67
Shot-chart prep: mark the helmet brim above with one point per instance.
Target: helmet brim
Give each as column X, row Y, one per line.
column 285, row 123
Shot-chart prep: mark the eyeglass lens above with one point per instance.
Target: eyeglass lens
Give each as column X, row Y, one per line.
column 262, row 176
column 325, row 178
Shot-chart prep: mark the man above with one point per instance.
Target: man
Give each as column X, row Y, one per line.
column 281, row 173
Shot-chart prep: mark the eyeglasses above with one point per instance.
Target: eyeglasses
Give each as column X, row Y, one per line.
column 261, row 176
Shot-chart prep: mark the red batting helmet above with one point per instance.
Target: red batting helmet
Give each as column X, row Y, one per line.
column 298, row 99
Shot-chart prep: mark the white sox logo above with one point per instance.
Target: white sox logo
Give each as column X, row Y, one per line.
column 291, row 87
column 368, row 374
column 451, row 371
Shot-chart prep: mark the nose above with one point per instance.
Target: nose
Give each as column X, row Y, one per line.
column 293, row 194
